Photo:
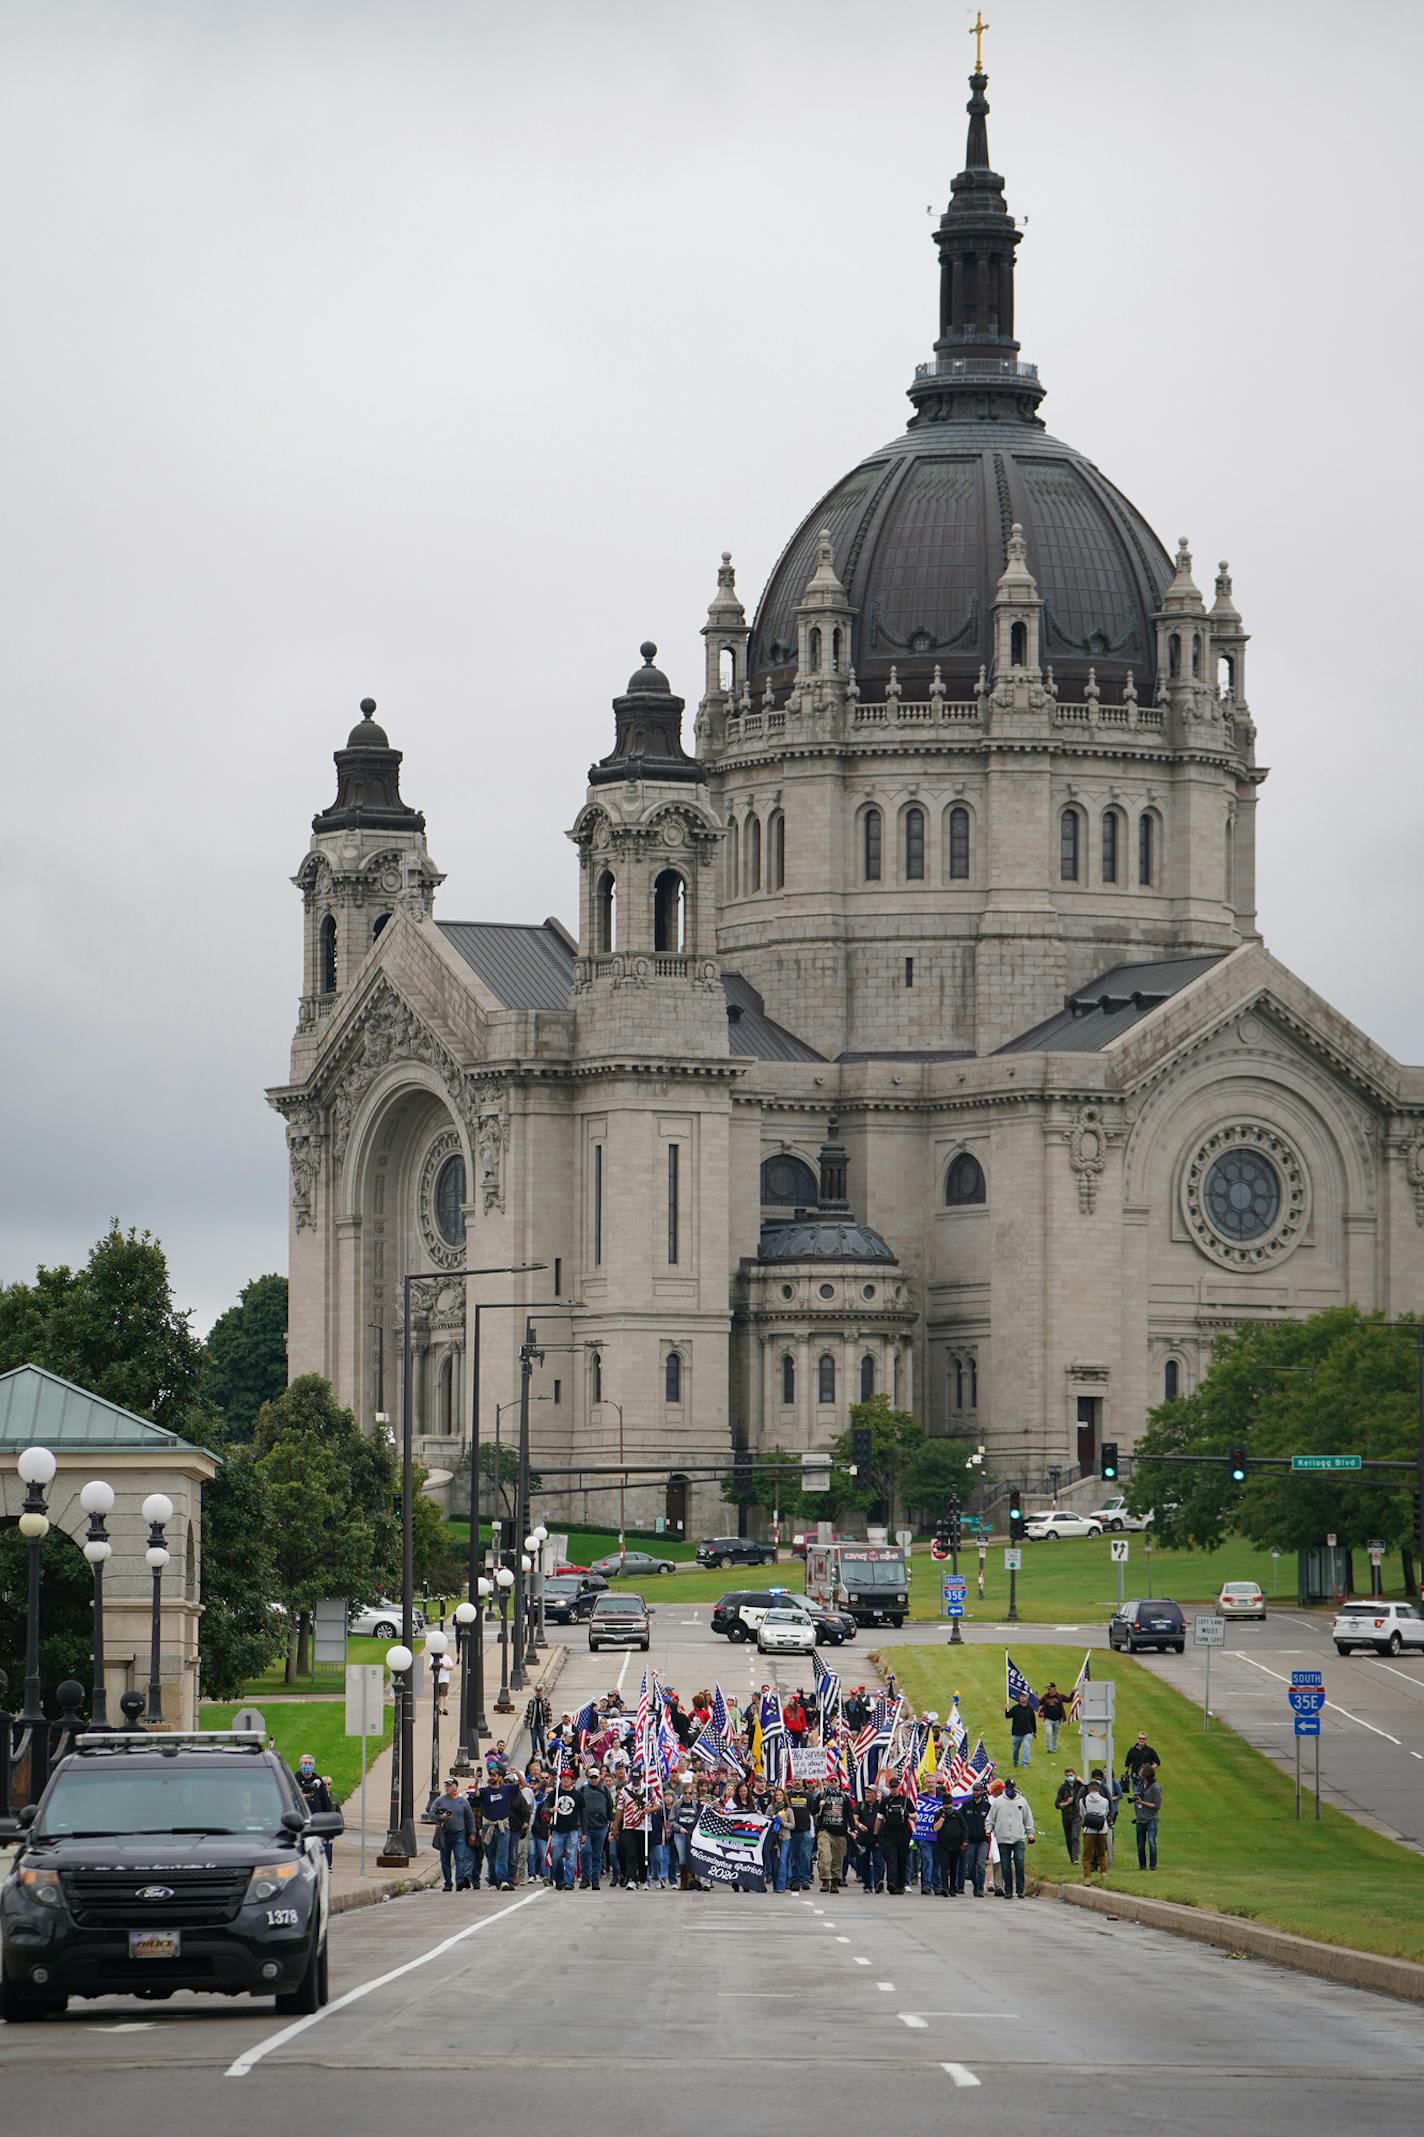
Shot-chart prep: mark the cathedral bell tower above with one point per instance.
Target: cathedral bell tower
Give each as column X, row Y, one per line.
column 367, row 857
column 647, row 973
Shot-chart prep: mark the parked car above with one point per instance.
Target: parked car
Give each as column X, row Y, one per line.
column 381, row 1620
column 639, row 1562
column 1386, row 1627
column 1242, row 1599
column 570, row 1568
column 1154, row 1623
column 570, row 1597
column 1050, row 1528
column 738, row 1614
column 734, row 1551
column 785, row 1629
column 621, row 1620
column 1113, row 1514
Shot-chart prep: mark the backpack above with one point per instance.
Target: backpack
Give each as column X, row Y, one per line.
column 1095, row 1819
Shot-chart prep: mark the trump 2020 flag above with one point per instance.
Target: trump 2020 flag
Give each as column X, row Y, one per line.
column 1016, row 1684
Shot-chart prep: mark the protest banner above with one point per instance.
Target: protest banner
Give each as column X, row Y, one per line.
column 726, row 1849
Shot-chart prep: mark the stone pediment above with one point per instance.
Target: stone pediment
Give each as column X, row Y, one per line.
column 1251, row 1001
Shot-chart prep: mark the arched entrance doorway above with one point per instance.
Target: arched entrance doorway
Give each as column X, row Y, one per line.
column 676, row 1505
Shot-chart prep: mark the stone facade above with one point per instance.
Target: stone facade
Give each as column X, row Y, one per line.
column 1000, row 921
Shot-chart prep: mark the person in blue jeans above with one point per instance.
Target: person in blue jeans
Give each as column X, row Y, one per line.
column 657, row 1845
column 1023, row 1726
column 976, row 1839
column 455, row 1837
column 1146, row 1810
column 494, row 1817
column 802, row 1836
column 567, row 1824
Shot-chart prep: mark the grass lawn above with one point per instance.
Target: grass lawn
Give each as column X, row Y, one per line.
column 317, row 1726
column 1229, row 1840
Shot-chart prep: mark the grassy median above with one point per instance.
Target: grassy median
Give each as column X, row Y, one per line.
column 317, row 1726
column 1229, row 1839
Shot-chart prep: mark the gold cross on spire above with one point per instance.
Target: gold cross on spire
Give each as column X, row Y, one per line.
column 976, row 31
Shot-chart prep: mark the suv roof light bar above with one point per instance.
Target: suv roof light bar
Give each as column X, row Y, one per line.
column 165, row 1739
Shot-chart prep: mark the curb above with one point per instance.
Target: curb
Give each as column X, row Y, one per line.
column 1328, row 1962
column 391, row 1888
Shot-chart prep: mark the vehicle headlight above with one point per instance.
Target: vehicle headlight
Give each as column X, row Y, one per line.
column 855, row 1598
column 269, row 1878
column 42, row 1886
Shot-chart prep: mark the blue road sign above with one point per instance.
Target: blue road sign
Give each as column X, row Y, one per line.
column 955, row 1609
column 1307, row 1677
column 1306, row 1699
column 955, row 1588
column 1307, row 1725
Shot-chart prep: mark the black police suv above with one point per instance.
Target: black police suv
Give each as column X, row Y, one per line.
column 156, row 1862
column 734, row 1551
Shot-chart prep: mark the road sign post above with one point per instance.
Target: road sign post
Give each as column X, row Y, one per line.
column 1117, row 1551
column 365, row 1699
column 1013, row 1559
column 1307, row 1697
column 1208, row 1632
column 954, row 1590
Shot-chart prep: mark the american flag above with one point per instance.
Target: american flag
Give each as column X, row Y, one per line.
column 583, row 1723
column 958, row 1776
column 909, row 1779
column 981, row 1766
column 1016, row 1684
column 1075, row 1700
column 773, row 1739
column 957, row 1733
column 720, row 1716
column 828, row 1692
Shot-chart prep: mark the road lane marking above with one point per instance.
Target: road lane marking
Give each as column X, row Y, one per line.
column 624, row 1671
column 1403, row 1675
column 862, row 1962
column 131, row 2025
column 1330, row 1703
column 960, row 2075
column 244, row 2063
column 913, row 2019
column 842, row 1940
column 886, row 1985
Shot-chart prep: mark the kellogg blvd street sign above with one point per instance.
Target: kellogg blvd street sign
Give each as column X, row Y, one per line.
column 1325, row 1461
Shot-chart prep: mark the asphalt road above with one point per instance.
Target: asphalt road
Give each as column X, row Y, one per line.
column 659, row 2012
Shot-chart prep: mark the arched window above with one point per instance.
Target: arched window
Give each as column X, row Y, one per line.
column 595, row 1376
column 753, row 853
column 964, row 1182
column 835, row 652
column 1196, row 653
column 380, row 922
column 826, row 1378
column 1145, row 854
column 867, row 1377
column 788, row 1182
column 872, row 845
column 726, row 669
column 914, row 845
column 190, row 1566
column 1018, row 645
column 1174, row 655
column 328, row 955
column 669, row 911
column 959, row 1383
column 813, row 644
column 1110, row 846
column 733, row 880
column 959, row 845
column 672, row 1377
column 1225, row 675
column 445, row 1409
column 1230, row 878
column 788, row 1377
column 1068, row 837
column 606, row 914
column 776, row 852
column 973, row 1383
column 1171, row 1380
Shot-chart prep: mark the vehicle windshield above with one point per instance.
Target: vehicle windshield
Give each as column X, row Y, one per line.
column 561, row 1584
column 210, row 1799
column 873, row 1572
column 782, row 1617
column 610, row 1606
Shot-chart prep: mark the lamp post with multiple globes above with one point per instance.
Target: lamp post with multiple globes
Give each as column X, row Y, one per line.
column 157, row 1512
column 97, row 1500
column 504, row 1581
column 36, row 1467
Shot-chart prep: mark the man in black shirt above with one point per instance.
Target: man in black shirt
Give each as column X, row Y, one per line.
column 893, row 1825
column 597, row 1821
column 832, row 1810
column 567, row 1823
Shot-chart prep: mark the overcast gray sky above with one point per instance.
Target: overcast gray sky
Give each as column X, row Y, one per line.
column 435, row 351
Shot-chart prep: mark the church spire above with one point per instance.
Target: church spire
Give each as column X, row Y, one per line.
column 976, row 372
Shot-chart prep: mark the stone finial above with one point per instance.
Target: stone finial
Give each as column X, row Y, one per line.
column 1224, row 607
column 768, row 697
column 1091, row 691
column 1048, row 683
column 892, row 688
column 1129, row 689
column 1016, row 576
column 726, row 576
column 852, row 687
column 823, row 579
column 937, row 688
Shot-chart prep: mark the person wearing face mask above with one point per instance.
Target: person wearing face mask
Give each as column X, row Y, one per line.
column 316, row 1790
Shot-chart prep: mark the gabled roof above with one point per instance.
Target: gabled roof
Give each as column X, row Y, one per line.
column 751, row 1031
column 39, row 1409
column 523, row 967
column 1095, row 1015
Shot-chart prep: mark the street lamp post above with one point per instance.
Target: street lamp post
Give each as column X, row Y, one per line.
column 157, row 1512
column 533, row 1546
column 399, row 1661
column 504, row 1581
column 97, row 1500
column 36, row 1467
column 436, row 1643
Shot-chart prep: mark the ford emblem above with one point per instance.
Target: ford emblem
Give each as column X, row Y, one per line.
column 154, row 1892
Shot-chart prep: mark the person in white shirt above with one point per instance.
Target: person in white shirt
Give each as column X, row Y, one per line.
column 1011, row 1823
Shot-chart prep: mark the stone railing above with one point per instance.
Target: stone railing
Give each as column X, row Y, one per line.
column 757, row 727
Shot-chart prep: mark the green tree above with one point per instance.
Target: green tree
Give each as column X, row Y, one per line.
column 332, row 1493
column 1338, row 1383
column 110, row 1327
column 66, row 1614
column 499, row 1477
column 895, row 1437
column 239, row 1633
column 934, row 1470
column 247, row 1354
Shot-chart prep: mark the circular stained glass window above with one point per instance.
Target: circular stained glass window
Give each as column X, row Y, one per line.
column 449, row 1201
column 867, row 1291
column 828, row 1291
column 788, row 1291
column 1242, row 1195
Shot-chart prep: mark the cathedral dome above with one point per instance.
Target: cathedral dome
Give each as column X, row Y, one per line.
column 823, row 1239
column 920, row 528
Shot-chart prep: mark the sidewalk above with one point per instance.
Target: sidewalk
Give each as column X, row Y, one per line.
column 348, row 1887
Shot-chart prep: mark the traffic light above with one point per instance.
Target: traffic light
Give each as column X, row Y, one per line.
column 942, row 1536
column 1237, row 1458
column 954, row 1521
column 860, row 1448
column 1016, row 1515
column 1108, row 1461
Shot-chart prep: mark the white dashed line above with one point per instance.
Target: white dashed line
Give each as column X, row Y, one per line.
column 842, row 1940
column 886, row 1985
column 960, row 2075
column 862, row 1962
column 914, row 2020
column 1330, row 1703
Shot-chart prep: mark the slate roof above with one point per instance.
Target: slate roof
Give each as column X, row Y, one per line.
column 1096, row 1014
column 523, row 967
column 751, row 1031
column 39, row 1409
